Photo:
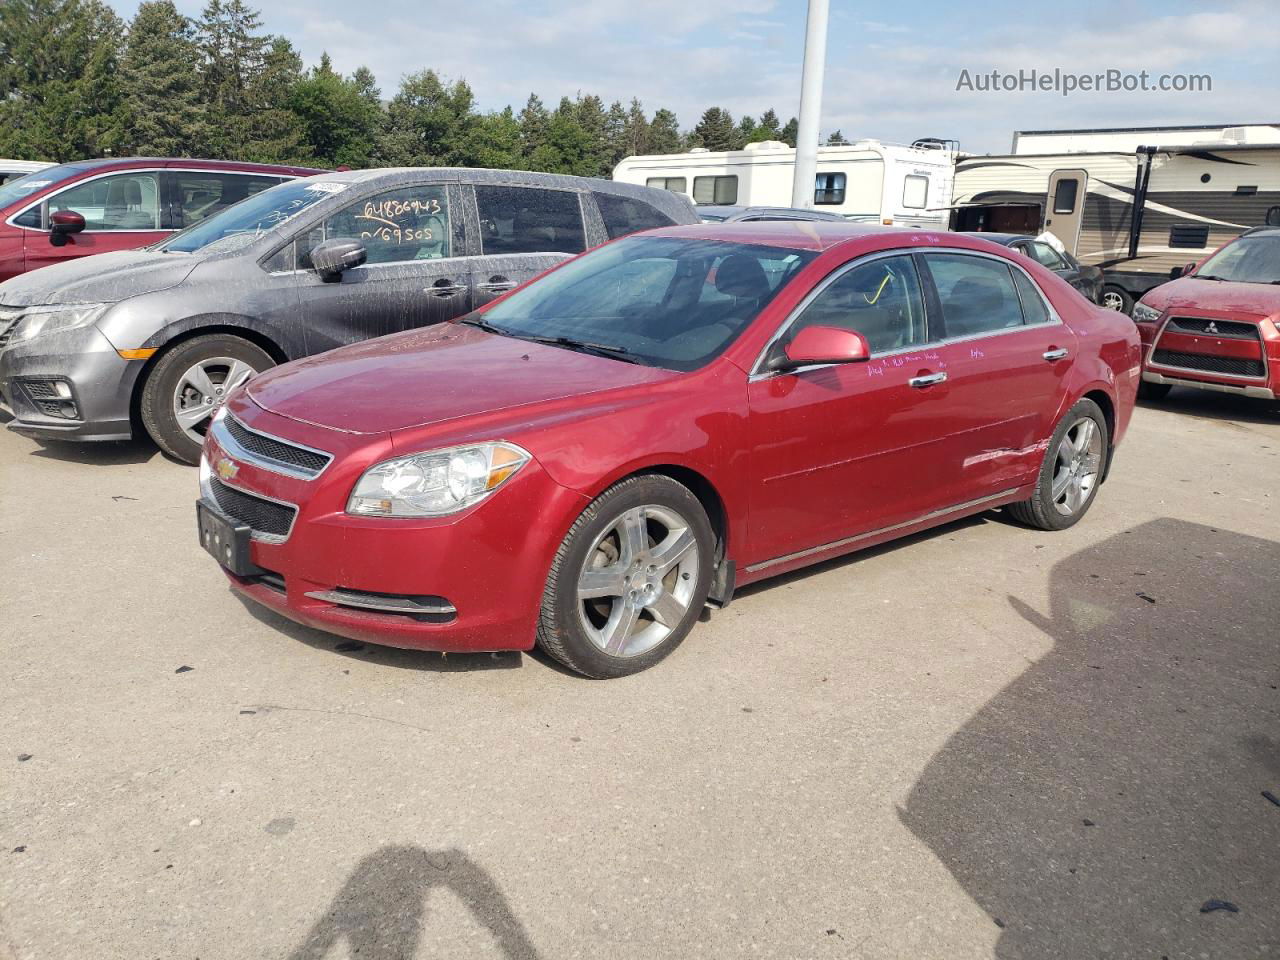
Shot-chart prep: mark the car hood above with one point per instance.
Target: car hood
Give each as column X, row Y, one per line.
column 102, row 278
column 429, row 376
column 1189, row 293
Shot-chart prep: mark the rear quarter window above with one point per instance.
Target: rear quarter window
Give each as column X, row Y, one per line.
column 624, row 215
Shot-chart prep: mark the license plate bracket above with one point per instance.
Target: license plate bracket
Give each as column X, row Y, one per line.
column 225, row 540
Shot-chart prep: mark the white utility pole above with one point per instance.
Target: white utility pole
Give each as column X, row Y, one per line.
column 815, row 62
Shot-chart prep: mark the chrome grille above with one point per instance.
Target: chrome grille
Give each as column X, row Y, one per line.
column 1226, row 329
column 266, row 517
column 1228, row 366
column 270, row 453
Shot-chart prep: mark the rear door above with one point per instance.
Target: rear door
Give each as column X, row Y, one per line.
column 415, row 274
column 1064, row 206
column 523, row 231
column 122, row 211
column 1006, row 354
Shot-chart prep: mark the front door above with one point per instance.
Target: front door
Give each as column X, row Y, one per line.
column 121, row 212
column 414, row 275
column 847, row 449
column 1064, row 206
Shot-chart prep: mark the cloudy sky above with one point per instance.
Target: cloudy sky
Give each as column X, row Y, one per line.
column 892, row 71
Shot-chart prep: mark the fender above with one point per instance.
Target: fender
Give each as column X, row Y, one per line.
column 181, row 329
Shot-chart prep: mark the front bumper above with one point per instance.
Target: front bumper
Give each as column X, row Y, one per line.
column 487, row 564
column 100, row 383
column 1207, row 361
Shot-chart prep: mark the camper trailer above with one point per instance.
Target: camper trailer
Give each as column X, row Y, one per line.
column 867, row 181
column 1138, row 215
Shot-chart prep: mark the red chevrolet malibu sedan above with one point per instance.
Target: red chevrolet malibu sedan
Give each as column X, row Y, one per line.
column 589, row 461
column 97, row 206
column 1218, row 327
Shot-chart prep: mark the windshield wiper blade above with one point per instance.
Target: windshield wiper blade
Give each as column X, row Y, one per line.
column 484, row 325
column 585, row 346
column 1209, row 276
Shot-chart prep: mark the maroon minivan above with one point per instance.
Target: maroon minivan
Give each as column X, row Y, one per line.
column 95, row 206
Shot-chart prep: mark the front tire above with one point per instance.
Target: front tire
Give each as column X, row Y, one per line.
column 1073, row 466
column 1115, row 298
column 188, row 385
column 629, row 580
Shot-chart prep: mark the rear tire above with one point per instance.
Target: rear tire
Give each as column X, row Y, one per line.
column 189, row 383
column 630, row 579
column 1114, row 298
column 1153, row 391
column 1073, row 467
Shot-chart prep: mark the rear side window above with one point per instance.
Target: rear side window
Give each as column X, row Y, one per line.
column 409, row 223
column 978, row 295
column 1033, row 307
column 129, row 201
column 623, row 215
column 202, row 194
column 529, row 220
column 717, row 190
column 671, row 184
column 880, row 300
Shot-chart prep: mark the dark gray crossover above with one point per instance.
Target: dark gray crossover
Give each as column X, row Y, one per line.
column 96, row 348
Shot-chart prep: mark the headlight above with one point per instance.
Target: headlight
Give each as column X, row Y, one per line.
column 1145, row 314
column 436, row 483
column 38, row 320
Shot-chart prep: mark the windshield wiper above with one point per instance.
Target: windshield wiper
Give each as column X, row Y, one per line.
column 1209, row 276
column 484, row 325
column 583, row 346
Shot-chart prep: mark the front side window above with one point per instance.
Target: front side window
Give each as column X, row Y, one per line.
column 129, row 201
column 203, row 194
column 262, row 213
column 915, row 192
column 1064, row 195
column 669, row 302
column 829, row 188
column 1046, row 255
column 529, row 220
column 718, row 190
column 880, row 300
column 1246, row 260
column 623, row 215
column 977, row 293
column 408, row 223
column 671, row 184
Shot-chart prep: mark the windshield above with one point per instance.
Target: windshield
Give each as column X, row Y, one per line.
column 671, row 302
column 15, row 190
column 242, row 223
column 1247, row 260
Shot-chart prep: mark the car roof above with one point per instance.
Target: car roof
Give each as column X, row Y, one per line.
column 815, row 235
column 1264, row 231
column 734, row 210
column 84, row 166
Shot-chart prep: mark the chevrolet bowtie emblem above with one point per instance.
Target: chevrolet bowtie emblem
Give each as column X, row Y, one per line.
column 226, row 469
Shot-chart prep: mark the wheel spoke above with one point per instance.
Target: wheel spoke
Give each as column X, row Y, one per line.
column 192, row 417
column 1066, row 451
column 1084, row 435
column 1060, row 484
column 198, row 378
column 239, row 374
column 618, row 630
column 667, row 610
column 604, row 582
column 671, row 550
column 632, row 535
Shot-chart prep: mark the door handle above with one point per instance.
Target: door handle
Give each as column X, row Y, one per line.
column 927, row 380
column 1057, row 353
column 497, row 284
column 444, row 288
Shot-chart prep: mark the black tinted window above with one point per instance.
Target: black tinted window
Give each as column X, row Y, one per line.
column 529, row 220
column 623, row 215
column 829, row 188
column 977, row 293
column 880, row 300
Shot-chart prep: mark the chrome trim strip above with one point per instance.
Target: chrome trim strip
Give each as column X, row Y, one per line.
column 342, row 598
column 1259, row 393
column 263, row 462
column 835, row 544
column 758, row 374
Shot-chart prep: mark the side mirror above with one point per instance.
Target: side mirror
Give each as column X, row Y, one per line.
column 1181, row 271
column 821, row 345
column 332, row 257
column 62, row 224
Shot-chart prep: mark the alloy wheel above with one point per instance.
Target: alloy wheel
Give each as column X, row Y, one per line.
column 203, row 388
column 638, row 580
column 1113, row 301
column 1078, row 459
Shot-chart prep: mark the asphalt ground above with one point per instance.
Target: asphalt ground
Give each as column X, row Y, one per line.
column 984, row 741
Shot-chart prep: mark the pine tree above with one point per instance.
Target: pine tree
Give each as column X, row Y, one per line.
column 745, row 132
column 594, row 123
column 430, row 123
column 790, row 132
column 664, row 133
column 837, row 140
column 635, row 131
column 715, row 130
column 769, row 127
column 162, row 113
column 341, row 118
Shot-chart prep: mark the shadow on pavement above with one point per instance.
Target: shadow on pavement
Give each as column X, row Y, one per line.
column 103, row 453
column 1096, row 803
column 383, row 656
column 1217, row 406
column 381, row 910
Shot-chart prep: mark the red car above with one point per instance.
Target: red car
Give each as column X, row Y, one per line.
column 95, row 206
column 1216, row 328
column 588, row 461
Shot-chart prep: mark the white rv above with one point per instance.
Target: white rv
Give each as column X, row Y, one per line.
column 13, row 169
column 867, row 181
column 1138, row 215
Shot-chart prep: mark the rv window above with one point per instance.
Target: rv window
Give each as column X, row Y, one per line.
column 915, row 192
column 673, row 184
column 722, row 190
column 1064, row 195
column 829, row 188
